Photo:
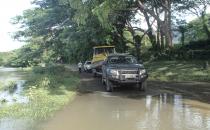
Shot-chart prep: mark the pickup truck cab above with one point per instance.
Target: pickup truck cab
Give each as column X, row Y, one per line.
column 123, row 69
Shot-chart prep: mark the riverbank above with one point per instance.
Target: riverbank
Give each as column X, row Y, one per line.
column 48, row 90
column 178, row 71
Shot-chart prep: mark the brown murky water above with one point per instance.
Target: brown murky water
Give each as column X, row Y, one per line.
column 105, row 111
column 164, row 106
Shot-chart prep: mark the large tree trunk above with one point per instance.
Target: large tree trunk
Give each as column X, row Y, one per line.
column 183, row 38
column 158, row 42
column 162, row 35
column 158, row 39
column 168, row 24
column 165, row 24
column 205, row 27
column 150, row 34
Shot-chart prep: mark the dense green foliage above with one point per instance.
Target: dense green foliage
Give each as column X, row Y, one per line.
column 194, row 30
column 5, row 57
column 65, row 31
column 54, row 35
column 195, row 50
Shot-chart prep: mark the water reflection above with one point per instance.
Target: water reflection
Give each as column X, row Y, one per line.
column 160, row 112
column 12, row 74
column 3, row 69
column 16, row 124
column 16, row 97
column 168, row 111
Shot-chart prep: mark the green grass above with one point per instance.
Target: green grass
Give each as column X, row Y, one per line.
column 178, row 71
column 47, row 94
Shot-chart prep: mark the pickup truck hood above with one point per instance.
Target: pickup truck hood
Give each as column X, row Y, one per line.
column 126, row 66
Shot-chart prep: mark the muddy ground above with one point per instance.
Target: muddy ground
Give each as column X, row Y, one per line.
column 163, row 106
column 195, row 90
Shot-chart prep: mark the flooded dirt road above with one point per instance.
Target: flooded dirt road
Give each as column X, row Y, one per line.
column 164, row 106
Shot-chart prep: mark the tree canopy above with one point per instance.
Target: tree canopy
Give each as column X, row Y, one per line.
column 66, row 30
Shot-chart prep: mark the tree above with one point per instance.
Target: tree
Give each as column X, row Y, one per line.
column 68, row 29
column 195, row 30
column 150, row 10
column 197, row 8
column 54, row 26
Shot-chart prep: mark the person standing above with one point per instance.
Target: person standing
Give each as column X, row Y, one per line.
column 80, row 66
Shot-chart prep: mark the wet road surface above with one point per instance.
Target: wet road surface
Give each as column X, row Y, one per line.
column 164, row 106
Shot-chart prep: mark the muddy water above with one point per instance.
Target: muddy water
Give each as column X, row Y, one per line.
column 12, row 75
column 15, row 75
column 157, row 109
column 16, row 124
column 104, row 111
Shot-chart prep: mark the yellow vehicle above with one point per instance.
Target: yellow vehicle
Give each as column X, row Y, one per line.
column 100, row 53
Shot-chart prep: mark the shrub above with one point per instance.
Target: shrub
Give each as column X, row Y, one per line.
column 49, row 69
column 196, row 50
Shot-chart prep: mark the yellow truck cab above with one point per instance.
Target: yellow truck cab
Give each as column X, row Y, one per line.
column 100, row 53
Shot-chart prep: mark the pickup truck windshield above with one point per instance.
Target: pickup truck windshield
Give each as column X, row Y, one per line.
column 88, row 62
column 122, row 60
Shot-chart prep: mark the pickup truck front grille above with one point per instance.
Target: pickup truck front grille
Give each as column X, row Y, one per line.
column 129, row 72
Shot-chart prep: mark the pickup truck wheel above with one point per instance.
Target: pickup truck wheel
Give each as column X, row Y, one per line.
column 109, row 86
column 142, row 86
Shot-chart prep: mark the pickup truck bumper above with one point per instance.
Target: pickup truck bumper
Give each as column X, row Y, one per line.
column 123, row 80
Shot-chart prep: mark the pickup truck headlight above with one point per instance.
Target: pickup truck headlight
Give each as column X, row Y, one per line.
column 113, row 72
column 142, row 71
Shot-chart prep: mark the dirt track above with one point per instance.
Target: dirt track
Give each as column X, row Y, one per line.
column 196, row 90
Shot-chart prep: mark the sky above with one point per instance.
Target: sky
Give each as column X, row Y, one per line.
column 8, row 10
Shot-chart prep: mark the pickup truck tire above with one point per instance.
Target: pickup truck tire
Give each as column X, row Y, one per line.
column 142, row 86
column 109, row 86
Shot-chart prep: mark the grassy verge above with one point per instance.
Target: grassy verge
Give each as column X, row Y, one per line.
column 48, row 90
column 178, row 71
